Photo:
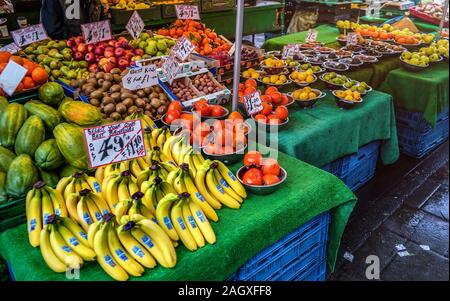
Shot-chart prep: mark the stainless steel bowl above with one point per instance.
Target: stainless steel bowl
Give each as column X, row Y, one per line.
column 261, row 190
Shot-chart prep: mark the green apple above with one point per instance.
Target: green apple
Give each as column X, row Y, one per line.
column 406, row 55
column 434, row 57
column 414, row 61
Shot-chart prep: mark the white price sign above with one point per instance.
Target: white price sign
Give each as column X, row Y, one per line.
column 96, row 31
column 290, row 50
column 141, row 77
column 352, row 38
column 11, row 48
column 135, row 25
column 183, row 48
column 253, row 103
column 11, row 77
column 170, row 68
column 311, row 36
column 28, row 35
column 114, row 142
column 187, row 12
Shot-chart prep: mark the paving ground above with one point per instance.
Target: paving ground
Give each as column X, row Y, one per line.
column 406, row 207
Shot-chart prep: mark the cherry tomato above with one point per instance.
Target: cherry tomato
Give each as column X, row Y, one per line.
column 253, row 177
column 267, row 108
column 270, row 167
column 217, row 111
column 270, row 179
column 175, row 105
column 171, row 116
column 282, row 112
column 253, row 158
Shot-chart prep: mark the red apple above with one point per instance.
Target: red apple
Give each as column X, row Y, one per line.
column 82, row 48
column 70, row 42
column 99, row 50
column 139, row 52
column 91, row 48
column 109, row 52
column 103, row 61
column 89, row 57
column 98, row 58
column 93, row 68
column 112, row 60
column 102, row 44
column 108, row 67
column 74, row 48
column 78, row 56
column 118, row 52
column 112, row 43
column 122, row 39
column 79, row 40
column 123, row 63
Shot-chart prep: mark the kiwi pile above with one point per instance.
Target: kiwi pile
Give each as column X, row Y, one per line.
column 105, row 91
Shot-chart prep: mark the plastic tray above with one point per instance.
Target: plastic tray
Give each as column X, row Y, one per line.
column 414, row 120
column 418, row 144
column 290, row 256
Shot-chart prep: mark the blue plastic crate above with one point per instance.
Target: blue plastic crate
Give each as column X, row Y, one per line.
column 291, row 255
column 418, row 144
column 415, row 120
column 69, row 91
column 318, row 271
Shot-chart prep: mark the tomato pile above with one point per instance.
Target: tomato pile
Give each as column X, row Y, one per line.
column 261, row 171
column 204, row 109
column 270, row 116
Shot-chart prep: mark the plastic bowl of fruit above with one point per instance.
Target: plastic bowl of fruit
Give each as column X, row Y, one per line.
column 333, row 81
column 302, row 79
column 347, row 99
column 277, row 67
column 260, row 189
column 224, row 155
column 307, row 97
column 361, row 87
column 412, row 67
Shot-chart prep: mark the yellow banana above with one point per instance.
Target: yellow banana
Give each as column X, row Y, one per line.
column 70, row 188
column 167, row 149
column 100, row 203
column 34, row 218
column 82, row 250
column 76, row 230
column 63, row 251
column 49, row 256
column 135, row 168
column 134, row 248
column 100, row 174
column 93, row 229
column 111, row 192
column 47, row 207
column 124, row 166
column 29, row 196
column 163, row 215
column 132, row 187
column 94, row 185
column 192, row 225
column 149, row 200
column 179, row 224
column 218, row 192
column 71, row 205
column 84, row 217
column 62, row 184
column 148, row 242
column 122, row 208
column 171, row 176
column 200, row 180
column 202, row 223
column 161, row 140
column 93, row 210
column 198, row 198
column 178, row 183
column 231, row 179
column 59, row 206
column 228, row 190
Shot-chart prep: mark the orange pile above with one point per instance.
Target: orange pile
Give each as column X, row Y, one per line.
column 375, row 33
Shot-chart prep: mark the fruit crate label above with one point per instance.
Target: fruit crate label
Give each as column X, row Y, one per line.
column 311, row 36
column 135, row 25
column 28, row 35
column 115, row 142
column 183, row 48
column 11, row 48
column 170, row 68
column 352, row 39
column 290, row 50
column 96, row 31
column 140, row 77
column 11, row 77
column 187, row 12
column 253, row 103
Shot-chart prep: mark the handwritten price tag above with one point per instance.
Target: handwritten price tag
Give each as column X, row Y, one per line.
column 28, row 35
column 352, row 38
column 11, row 48
column 139, row 78
column 170, row 68
column 11, row 77
column 187, row 12
column 311, row 36
column 183, row 48
column 290, row 50
column 114, row 142
column 96, row 31
column 135, row 25
column 253, row 103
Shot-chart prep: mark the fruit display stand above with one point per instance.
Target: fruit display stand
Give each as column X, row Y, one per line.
column 296, row 203
column 421, row 25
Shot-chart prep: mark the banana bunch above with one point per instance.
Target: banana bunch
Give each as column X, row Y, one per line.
column 182, row 219
column 154, row 191
column 64, row 244
column 42, row 202
column 125, row 249
column 117, row 187
column 147, row 122
column 215, row 181
column 135, row 205
column 156, row 137
column 137, row 166
column 77, row 182
column 181, row 181
column 103, row 172
column 175, row 148
column 156, row 169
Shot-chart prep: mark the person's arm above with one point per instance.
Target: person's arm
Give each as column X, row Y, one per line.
column 52, row 18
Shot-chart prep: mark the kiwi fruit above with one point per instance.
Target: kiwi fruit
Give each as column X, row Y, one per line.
column 96, row 94
column 114, row 88
column 109, row 77
column 115, row 71
column 92, row 81
column 106, row 85
column 141, row 93
column 89, row 89
column 132, row 109
column 115, row 116
column 107, row 100
column 128, row 102
column 99, row 75
column 95, row 102
column 140, row 102
column 109, row 108
column 121, row 108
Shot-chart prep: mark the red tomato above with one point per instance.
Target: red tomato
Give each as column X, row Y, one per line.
column 218, row 125
column 267, row 108
column 239, row 140
column 235, row 116
column 211, row 148
column 260, row 118
column 187, row 120
column 266, row 98
column 171, row 116
column 253, row 158
column 224, row 138
column 200, row 132
column 276, row 97
column 253, row 177
column 270, row 167
column 270, row 179
column 284, row 99
column 217, row 111
column 203, row 109
column 273, row 119
column 282, row 112
column 175, row 105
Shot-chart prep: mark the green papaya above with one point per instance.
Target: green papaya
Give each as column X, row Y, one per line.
column 3, row 104
column 68, row 170
column 10, row 123
column 70, row 141
column 47, row 156
column 6, row 157
column 49, row 115
column 51, row 93
column 80, row 113
column 21, row 176
column 30, row 136
column 3, row 194
column 50, row 178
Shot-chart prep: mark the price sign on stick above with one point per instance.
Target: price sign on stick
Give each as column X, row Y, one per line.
column 11, row 48
column 28, row 35
column 135, row 25
column 170, row 68
column 253, row 103
column 96, row 31
column 352, row 38
column 11, row 77
column 290, row 50
column 311, row 36
column 139, row 78
column 183, row 48
column 114, row 142
column 187, row 12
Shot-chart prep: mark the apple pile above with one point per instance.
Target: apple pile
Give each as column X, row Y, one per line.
column 104, row 55
column 260, row 171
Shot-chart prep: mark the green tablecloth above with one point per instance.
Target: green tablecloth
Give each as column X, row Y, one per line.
column 326, row 34
column 425, row 91
column 421, row 25
column 326, row 132
column 261, row 221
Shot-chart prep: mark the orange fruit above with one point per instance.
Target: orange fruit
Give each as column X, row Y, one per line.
column 29, row 65
column 28, row 82
column 4, row 57
column 271, row 90
column 249, row 90
column 266, row 98
column 17, row 59
column 39, row 75
column 250, row 83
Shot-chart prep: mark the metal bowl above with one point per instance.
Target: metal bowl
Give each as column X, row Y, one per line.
column 273, row 70
column 347, row 61
column 346, row 104
column 333, row 69
column 411, row 46
column 369, row 89
column 330, row 86
column 441, row 58
column 270, row 127
column 291, row 101
column 410, row 67
column 310, row 102
column 232, row 158
column 274, row 53
column 373, row 60
column 173, row 127
column 203, row 118
column 303, row 84
column 264, row 189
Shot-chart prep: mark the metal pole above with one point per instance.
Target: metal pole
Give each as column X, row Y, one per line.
column 237, row 52
column 441, row 25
